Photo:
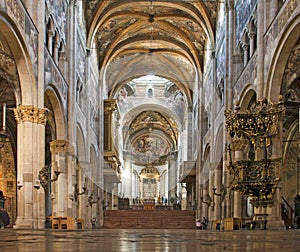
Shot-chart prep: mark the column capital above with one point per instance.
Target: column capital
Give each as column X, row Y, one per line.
column 245, row 47
column 230, row 4
column 251, row 35
column 58, row 145
column 32, row 114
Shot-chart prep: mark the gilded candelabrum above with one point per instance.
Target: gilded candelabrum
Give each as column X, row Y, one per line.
column 255, row 177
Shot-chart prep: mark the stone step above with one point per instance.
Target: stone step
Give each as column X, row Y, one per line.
column 155, row 219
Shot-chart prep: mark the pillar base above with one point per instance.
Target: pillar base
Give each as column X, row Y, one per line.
column 275, row 224
column 29, row 223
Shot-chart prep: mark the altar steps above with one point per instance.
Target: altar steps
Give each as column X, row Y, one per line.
column 149, row 219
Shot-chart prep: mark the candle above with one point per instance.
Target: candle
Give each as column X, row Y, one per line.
column 4, row 116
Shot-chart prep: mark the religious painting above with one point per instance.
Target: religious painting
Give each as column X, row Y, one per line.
column 32, row 42
column 149, row 148
column 149, row 188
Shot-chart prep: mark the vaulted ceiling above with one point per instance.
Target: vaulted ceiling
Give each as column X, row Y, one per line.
column 135, row 38
column 166, row 38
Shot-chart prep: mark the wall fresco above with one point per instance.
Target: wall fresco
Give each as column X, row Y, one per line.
column 58, row 9
column 243, row 9
column 53, row 76
column 274, row 30
column 16, row 11
column 221, row 60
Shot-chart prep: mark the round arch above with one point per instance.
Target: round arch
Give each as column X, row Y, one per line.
column 281, row 54
column 218, row 153
column 247, row 97
column 57, row 111
column 25, row 69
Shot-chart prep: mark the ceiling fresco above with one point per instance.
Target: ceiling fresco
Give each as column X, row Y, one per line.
column 165, row 39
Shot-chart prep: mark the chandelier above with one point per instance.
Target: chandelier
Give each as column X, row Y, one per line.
column 258, row 175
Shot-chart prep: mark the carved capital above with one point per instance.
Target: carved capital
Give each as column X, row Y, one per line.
column 110, row 106
column 58, row 146
column 245, row 47
column 230, row 4
column 30, row 113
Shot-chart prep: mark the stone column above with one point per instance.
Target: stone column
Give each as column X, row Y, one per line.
column 252, row 43
column 172, row 172
column 246, row 54
column 274, row 9
column 217, row 185
column 199, row 162
column 50, row 34
column 157, row 192
column 228, row 88
column 114, row 196
column 30, row 151
column 141, row 188
column 260, row 50
column 58, row 150
column 71, row 130
column 239, row 145
column 56, row 49
column 206, row 203
column 274, row 212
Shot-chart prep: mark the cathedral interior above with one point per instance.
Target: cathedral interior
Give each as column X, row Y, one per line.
column 150, row 106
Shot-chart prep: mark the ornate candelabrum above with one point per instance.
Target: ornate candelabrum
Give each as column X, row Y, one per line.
column 45, row 176
column 207, row 200
column 222, row 194
column 258, row 175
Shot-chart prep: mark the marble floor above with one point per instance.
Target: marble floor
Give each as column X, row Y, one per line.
column 129, row 240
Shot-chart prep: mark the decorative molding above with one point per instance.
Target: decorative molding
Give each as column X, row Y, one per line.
column 32, row 114
column 257, row 178
column 239, row 144
column 258, row 123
